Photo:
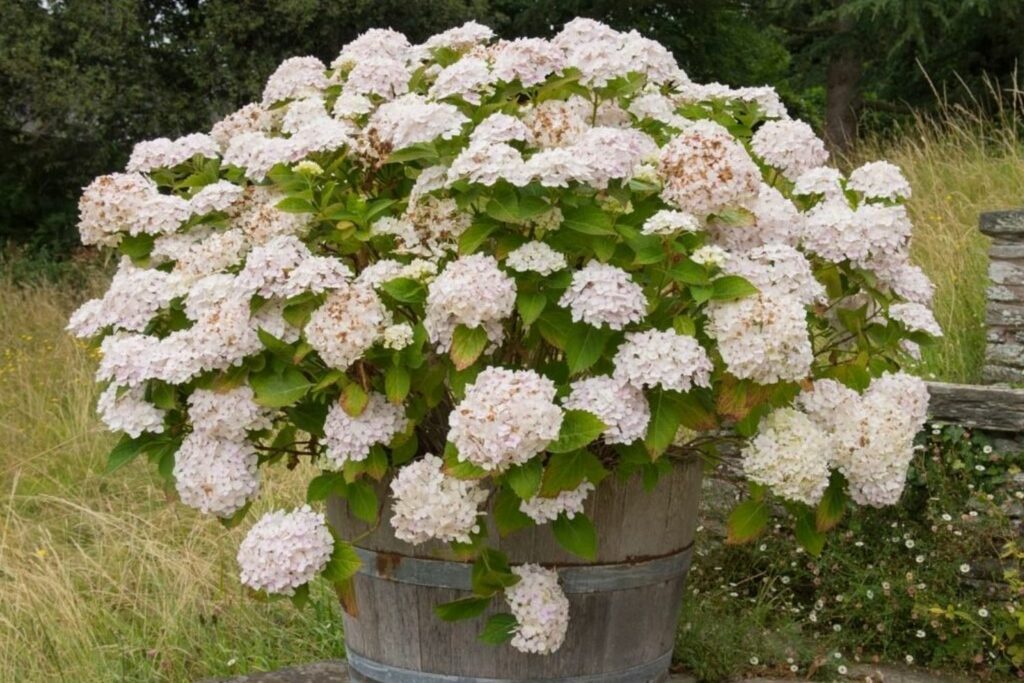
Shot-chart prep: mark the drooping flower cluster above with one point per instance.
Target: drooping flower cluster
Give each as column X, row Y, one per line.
column 457, row 247
column 428, row 504
column 540, row 608
column 285, row 550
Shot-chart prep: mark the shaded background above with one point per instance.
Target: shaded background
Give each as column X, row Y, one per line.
column 82, row 80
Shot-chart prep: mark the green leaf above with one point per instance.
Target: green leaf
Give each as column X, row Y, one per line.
column 499, row 629
column 417, row 152
column 588, row 219
column 507, row 515
column 344, row 562
column 463, row 608
column 747, row 521
column 491, row 573
column 460, row 469
column 474, row 236
column 322, row 486
column 136, row 247
column 467, row 345
column 689, row 272
column 566, row 471
column 309, row 416
column 832, row 505
column 583, row 347
column 127, row 449
column 807, row 535
column 296, row 205
column 666, row 414
column 552, row 325
column 530, row 306
column 579, row 428
column 362, row 501
column 396, row 383
column 577, row 535
column 503, row 205
column 277, row 388
column 405, row 290
column 354, row 399
column 525, row 479
column 729, row 287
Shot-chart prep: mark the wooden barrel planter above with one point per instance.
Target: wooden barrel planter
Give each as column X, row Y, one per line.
column 623, row 612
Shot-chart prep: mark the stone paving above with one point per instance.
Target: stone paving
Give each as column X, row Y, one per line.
column 337, row 672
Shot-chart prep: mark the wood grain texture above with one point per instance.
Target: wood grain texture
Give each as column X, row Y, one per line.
column 609, row 630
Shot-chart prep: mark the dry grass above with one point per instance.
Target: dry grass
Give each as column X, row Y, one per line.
column 959, row 163
column 102, row 579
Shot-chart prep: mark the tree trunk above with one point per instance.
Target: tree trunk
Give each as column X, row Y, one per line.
column 842, row 82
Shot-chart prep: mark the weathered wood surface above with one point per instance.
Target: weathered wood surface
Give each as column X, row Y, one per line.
column 1004, row 314
column 992, row 408
column 610, row 630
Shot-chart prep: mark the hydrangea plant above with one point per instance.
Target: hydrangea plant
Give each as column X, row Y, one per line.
column 490, row 274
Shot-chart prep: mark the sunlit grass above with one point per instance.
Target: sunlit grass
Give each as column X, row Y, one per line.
column 102, row 578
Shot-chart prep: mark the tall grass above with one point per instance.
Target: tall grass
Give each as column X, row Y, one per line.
column 960, row 162
column 101, row 579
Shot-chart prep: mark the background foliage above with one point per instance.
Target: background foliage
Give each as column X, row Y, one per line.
column 82, row 80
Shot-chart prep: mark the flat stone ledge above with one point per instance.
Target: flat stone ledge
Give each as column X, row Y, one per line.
column 337, row 672
column 1002, row 223
column 994, row 408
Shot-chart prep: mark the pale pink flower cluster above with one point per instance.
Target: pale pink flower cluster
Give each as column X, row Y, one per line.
column 285, row 550
column 569, row 503
column 540, row 608
column 704, row 169
column 535, row 257
column 128, row 411
column 428, row 504
column 774, row 219
column 879, row 180
column 622, row 407
column 294, row 78
column 601, row 294
column 215, row 476
column 349, row 438
column 506, row 418
column 790, row 455
column 166, row 153
column 916, row 317
column 790, row 146
column 667, row 359
column 227, row 414
column 471, row 291
column 763, row 337
column 346, row 325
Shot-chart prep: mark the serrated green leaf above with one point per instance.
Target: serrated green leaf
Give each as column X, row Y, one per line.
column 463, row 608
column 747, row 521
column 279, row 387
column 507, row 515
column 499, row 629
column 295, row 205
column 577, row 535
column 807, row 535
column 566, row 471
column 324, row 485
column 460, row 469
column 362, row 501
column 396, row 383
column 530, row 306
column 666, row 415
column 588, row 219
column 730, row 287
column 344, row 562
column 467, row 345
column 354, row 399
column 525, row 479
column 578, row 429
column 583, row 347
column 491, row 573
column 474, row 236
column 405, row 290
column 832, row 506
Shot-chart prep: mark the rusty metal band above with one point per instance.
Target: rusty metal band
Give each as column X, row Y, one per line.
column 384, row 673
column 594, row 578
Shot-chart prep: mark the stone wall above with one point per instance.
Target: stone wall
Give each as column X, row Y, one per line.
column 1004, row 356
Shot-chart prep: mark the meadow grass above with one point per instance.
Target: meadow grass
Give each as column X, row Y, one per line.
column 960, row 162
column 104, row 579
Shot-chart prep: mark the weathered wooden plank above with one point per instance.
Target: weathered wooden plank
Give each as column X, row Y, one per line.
column 984, row 407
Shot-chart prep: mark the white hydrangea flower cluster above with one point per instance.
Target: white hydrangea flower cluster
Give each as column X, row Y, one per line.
column 622, row 407
column 285, row 550
column 349, row 439
column 540, row 608
column 471, row 291
column 506, row 418
column 427, row 504
column 601, row 294
column 570, row 503
column 790, row 455
column 215, row 476
column 535, row 257
column 338, row 232
column 654, row 358
column 126, row 410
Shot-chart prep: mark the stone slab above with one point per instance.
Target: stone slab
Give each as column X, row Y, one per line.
column 994, row 408
column 1003, row 223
